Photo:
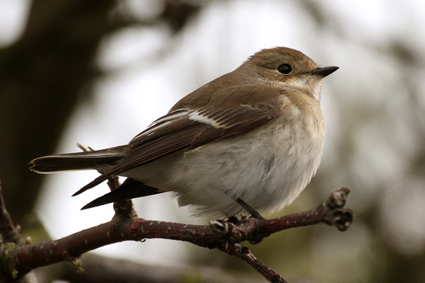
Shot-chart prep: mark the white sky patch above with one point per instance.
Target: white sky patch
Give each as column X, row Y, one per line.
column 13, row 14
column 364, row 18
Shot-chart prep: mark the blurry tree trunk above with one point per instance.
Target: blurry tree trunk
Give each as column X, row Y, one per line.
column 41, row 80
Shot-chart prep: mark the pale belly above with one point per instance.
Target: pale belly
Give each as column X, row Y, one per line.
column 267, row 168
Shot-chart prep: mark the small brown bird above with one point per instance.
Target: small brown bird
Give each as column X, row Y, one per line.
column 250, row 140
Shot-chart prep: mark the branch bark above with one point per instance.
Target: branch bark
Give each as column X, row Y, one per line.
column 225, row 236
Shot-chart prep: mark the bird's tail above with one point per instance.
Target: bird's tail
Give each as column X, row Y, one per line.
column 77, row 161
column 128, row 190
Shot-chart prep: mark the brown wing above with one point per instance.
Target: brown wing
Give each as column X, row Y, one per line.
column 186, row 128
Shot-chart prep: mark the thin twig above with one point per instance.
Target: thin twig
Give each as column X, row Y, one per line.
column 245, row 254
column 8, row 231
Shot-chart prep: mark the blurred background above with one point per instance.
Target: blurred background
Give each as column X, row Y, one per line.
column 99, row 72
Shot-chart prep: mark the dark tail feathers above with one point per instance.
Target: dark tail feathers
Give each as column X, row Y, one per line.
column 128, row 190
column 77, row 161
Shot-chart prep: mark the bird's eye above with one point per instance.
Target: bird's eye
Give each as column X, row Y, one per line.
column 285, row 69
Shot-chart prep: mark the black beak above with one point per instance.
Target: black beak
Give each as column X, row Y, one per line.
column 325, row 71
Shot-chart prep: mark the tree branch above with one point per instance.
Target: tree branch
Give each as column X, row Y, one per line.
column 222, row 235
column 245, row 254
column 9, row 239
column 9, row 233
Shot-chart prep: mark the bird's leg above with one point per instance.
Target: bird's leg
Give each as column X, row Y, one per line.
column 225, row 227
column 248, row 208
column 255, row 214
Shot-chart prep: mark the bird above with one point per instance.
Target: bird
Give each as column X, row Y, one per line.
column 248, row 141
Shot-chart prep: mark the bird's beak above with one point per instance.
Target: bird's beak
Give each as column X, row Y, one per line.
column 323, row 72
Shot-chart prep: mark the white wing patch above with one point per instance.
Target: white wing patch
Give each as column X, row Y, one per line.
column 198, row 117
column 163, row 121
column 171, row 116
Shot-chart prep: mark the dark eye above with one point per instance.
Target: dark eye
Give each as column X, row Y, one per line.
column 285, row 69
